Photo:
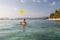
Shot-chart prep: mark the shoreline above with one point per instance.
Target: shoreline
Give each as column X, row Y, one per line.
column 57, row 19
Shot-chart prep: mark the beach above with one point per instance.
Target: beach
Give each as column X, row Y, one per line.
column 54, row 19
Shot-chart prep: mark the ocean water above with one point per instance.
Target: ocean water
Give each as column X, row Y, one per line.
column 34, row 30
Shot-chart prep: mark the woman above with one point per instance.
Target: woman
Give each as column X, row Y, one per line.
column 23, row 23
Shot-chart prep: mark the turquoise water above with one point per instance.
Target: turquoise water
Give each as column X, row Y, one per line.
column 34, row 30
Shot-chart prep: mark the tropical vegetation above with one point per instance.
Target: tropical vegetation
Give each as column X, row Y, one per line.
column 55, row 14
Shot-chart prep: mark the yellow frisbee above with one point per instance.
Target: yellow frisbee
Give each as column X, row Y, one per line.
column 21, row 11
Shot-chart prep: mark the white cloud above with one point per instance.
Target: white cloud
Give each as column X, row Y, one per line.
column 53, row 3
column 22, row 1
column 15, row 9
column 10, row 12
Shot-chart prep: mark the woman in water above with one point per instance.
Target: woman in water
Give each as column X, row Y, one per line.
column 23, row 23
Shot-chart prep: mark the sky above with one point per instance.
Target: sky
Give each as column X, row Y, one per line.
column 32, row 8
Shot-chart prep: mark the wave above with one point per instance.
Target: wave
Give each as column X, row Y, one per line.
column 3, row 25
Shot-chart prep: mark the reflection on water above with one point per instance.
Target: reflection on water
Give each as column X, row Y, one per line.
column 35, row 30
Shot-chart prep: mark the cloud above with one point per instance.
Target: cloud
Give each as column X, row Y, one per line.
column 22, row 1
column 53, row 3
column 15, row 9
column 45, row 0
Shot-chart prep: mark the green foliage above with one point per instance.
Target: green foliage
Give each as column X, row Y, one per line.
column 51, row 15
column 56, row 14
